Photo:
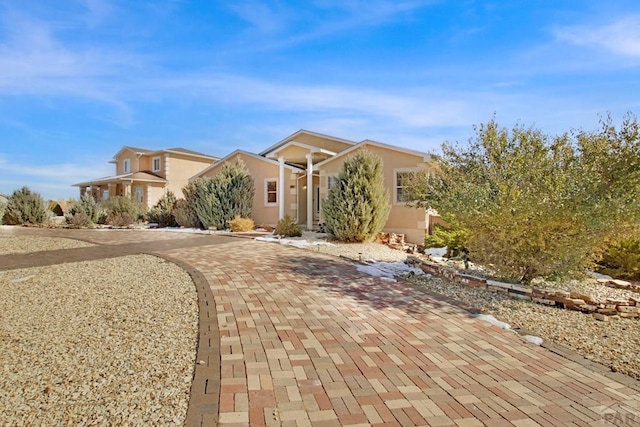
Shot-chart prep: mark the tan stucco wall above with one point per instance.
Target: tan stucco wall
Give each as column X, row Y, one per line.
column 126, row 154
column 153, row 193
column 177, row 170
column 325, row 143
column 402, row 219
column 260, row 171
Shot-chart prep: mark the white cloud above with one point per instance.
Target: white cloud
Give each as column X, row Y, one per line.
column 620, row 37
column 261, row 16
column 51, row 180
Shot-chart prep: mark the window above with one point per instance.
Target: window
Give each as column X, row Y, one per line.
column 156, row 164
column 105, row 194
column 126, row 166
column 401, row 179
column 138, row 194
column 270, row 192
column 332, row 180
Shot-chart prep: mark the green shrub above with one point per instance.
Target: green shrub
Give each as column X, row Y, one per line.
column 25, row 207
column 162, row 212
column 88, row 210
column 185, row 215
column 2, row 209
column 536, row 205
column 622, row 260
column 121, row 211
column 287, row 227
column 358, row 204
column 238, row 224
column 220, row 198
column 453, row 238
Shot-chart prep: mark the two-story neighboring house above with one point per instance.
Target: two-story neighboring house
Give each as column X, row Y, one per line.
column 145, row 175
column 293, row 177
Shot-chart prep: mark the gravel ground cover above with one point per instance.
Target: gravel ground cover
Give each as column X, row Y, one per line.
column 615, row 343
column 26, row 244
column 109, row 342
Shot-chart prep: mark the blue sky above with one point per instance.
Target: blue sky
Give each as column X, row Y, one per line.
column 80, row 79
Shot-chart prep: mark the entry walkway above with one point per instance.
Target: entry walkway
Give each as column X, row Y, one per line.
column 293, row 337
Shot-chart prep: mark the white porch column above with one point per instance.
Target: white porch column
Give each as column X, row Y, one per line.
column 281, row 189
column 309, row 191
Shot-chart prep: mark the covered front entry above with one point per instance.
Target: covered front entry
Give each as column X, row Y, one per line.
column 303, row 206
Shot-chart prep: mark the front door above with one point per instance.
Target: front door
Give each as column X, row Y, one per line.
column 316, row 203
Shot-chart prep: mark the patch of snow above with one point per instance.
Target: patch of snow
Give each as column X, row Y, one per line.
column 436, row 252
column 374, row 271
column 21, row 279
column 388, row 269
column 601, row 276
column 298, row 242
column 492, row 320
column 533, row 339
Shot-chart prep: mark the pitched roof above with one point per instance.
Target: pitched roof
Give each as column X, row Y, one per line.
column 179, row 150
column 426, row 156
column 144, row 176
column 246, row 153
column 300, row 132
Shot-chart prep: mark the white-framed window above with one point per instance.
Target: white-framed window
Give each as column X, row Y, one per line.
column 105, row 194
column 401, row 179
column 270, row 192
column 126, row 166
column 138, row 194
column 155, row 164
column 332, row 180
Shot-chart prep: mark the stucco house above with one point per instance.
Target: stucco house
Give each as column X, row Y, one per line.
column 145, row 175
column 293, row 177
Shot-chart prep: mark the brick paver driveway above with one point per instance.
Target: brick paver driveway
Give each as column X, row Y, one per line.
column 293, row 337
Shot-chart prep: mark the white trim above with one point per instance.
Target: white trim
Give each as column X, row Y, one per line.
column 293, row 136
column 135, row 194
column 153, row 164
column 126, row 165
column 395, row 184
column 281, row 213
column 248, row 154
column 266, row 192
column 330, row 177
column 309, row 191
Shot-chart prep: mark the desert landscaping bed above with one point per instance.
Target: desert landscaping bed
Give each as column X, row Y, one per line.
column 101, row 342
column 27, row 244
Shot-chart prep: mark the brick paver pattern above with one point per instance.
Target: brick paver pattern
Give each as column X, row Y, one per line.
column 307, row 340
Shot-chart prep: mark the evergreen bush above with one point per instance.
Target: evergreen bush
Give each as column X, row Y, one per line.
column 287, row 227
column 358, row 204
column 162, row 212
column 218, row 199
column 121, row 211
column 185, row 214
column 25, row 207
column 87, row 209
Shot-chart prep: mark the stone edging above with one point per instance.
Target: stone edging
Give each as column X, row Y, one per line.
column 600, row 310
column 204, row 397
